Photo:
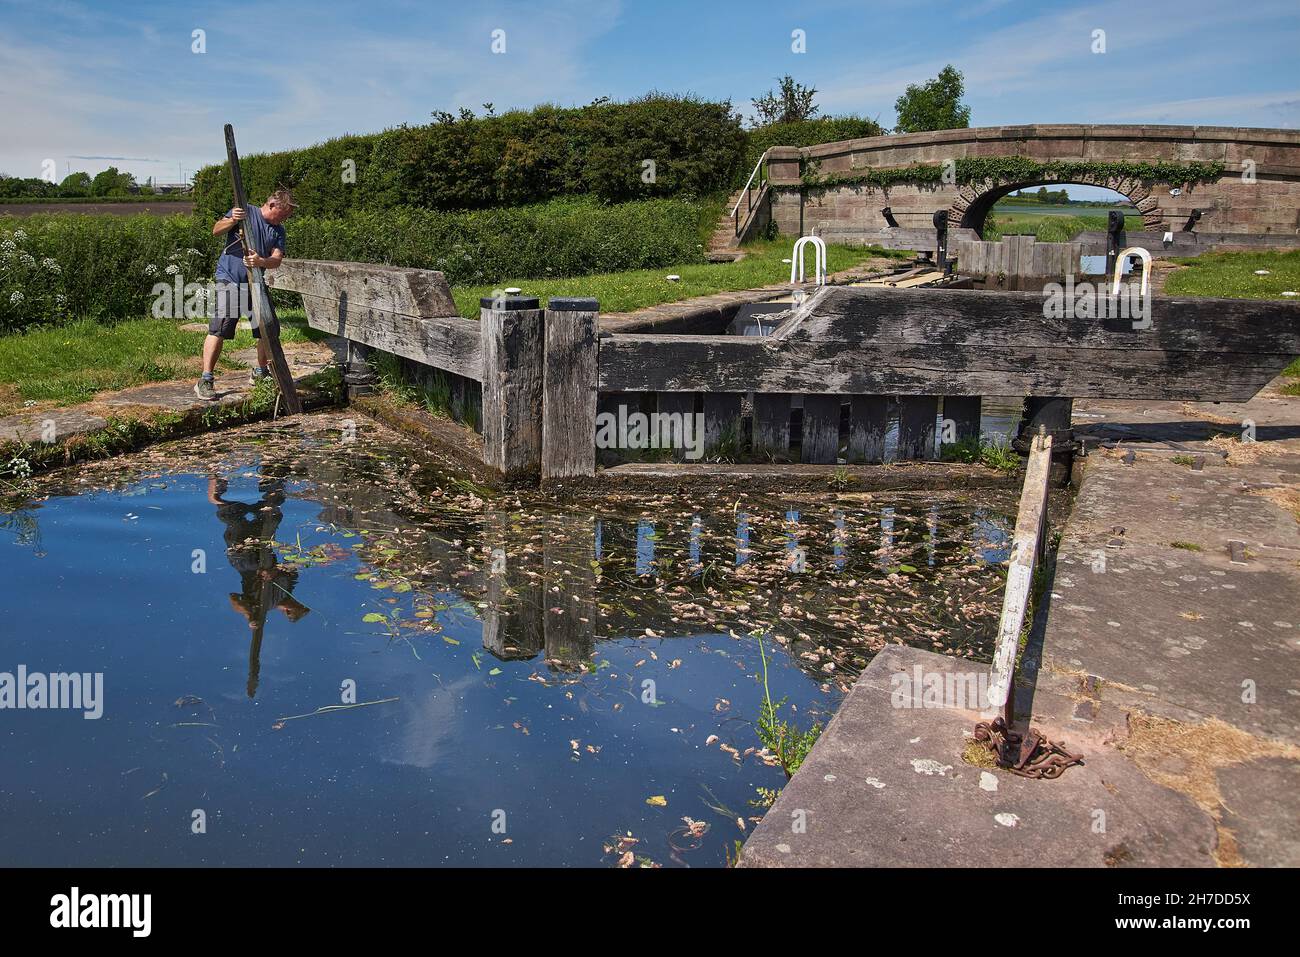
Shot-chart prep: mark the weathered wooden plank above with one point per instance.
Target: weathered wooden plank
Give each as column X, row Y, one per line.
column 868, row 424
column 569, row 389
column 677, row 403
column 423, row 293
column 917, row 415
column 929, row 316
column 450, row 343
column 513, row 344
column 1025, row 544
column 1093, row 242
column 963, row 342
column 963, row 412
column 887, row 368
column 721, row 418
column 821, row 428
column 772, row 424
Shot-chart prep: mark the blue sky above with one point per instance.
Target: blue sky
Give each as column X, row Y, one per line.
column 82, row 82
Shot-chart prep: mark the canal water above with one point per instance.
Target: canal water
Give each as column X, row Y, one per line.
column 318, row 648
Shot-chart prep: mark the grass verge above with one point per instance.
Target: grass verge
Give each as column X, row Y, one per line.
column 133, row 430
column 1238, row 276
column 63, row 365
column 1234, row 275
column 1048, row 229
column 640, row 288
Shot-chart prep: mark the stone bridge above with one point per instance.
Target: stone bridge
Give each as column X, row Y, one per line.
column 1257, row 193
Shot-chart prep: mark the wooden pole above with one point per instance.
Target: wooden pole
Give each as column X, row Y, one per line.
column 263, row 313
column 1025, row 545
column 512, row 336
column 569, row 389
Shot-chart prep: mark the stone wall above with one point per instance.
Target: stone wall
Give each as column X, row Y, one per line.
column 1269, row 205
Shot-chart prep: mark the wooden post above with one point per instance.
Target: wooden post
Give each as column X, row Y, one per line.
column 512, row 335
column 357, row 374
column 264, row 318
column 916, row 420
column 721, row 418
column 677, row 403
column 1025, row 547
column 868, row 424
column 964, row 413
column 569, row 389
column 772, row 424
column 821, row 429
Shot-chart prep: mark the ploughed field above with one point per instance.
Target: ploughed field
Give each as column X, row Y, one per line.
column 330, row 651
column 92, row 208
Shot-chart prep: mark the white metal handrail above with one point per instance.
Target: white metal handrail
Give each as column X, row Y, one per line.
column 819, row 259
column 748, row 183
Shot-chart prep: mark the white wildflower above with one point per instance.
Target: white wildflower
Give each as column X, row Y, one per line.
column 28, row 260
column 8, row 246
column 16, row 298
column 173, row 269
column 51, row 264
column 151, row 270
column 20, row 235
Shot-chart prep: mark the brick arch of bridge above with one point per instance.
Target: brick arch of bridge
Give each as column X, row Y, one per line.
column 974, row 201
column 1266, row 202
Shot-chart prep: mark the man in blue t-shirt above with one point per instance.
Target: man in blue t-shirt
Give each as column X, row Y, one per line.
column 234, row 298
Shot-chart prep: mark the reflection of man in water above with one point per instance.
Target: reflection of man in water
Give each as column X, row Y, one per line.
column 250, row 534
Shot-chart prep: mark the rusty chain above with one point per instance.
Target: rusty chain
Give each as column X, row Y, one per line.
column 1034, row 757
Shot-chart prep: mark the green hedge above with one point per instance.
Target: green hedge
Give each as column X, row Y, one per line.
column 526, row 157
column 517, row 158
column 57, row 267
column 566, row 237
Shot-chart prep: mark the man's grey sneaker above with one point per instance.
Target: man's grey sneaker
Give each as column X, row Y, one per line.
column 204, row 389
column 256, row 375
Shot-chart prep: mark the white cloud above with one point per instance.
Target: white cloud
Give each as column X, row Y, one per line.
column 145, row 94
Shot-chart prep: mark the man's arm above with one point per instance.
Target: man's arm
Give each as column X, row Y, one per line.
column 265, row 262
column 226, row 223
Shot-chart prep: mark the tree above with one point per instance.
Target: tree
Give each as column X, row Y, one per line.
column 111, row 182
column 75, row 184
column 936, row 105
column 792, row 103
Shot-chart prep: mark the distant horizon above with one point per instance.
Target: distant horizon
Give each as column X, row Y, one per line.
column 1102, row 194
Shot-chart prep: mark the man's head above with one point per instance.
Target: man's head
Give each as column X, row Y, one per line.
column 278, row 207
